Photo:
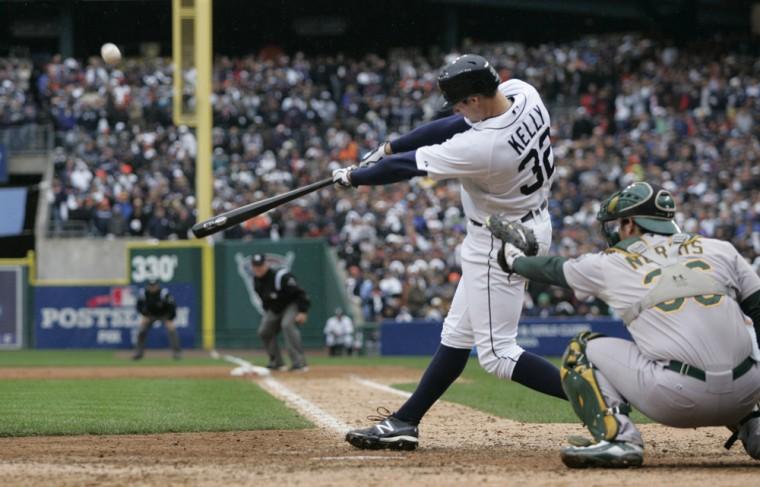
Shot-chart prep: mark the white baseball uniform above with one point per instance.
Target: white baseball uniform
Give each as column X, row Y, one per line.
column 339, row 331
column 505, row 165
column 709, row 332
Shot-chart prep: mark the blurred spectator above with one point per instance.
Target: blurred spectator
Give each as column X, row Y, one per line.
column 339, row 334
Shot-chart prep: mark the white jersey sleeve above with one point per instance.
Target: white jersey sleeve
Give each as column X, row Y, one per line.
column 736, row 270
column 585, row 275
column 463, row 155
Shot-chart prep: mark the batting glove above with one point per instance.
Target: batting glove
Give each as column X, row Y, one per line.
column 342, row 177
column 507, row 255
column 374, row 156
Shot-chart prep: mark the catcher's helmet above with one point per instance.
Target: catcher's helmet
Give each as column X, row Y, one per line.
column 467, row 75
column 649, row 205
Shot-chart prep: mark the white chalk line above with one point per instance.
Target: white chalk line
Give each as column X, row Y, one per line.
column 304, row 406
column 301, row 404
column 244, row 367
column 380, row 387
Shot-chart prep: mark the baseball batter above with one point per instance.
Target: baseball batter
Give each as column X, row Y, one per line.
column 498, row 146
column 689, row 303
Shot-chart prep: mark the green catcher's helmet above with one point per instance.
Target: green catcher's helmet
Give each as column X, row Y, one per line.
column 649, row 205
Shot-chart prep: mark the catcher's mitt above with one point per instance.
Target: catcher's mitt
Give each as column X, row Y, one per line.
column 514, row 233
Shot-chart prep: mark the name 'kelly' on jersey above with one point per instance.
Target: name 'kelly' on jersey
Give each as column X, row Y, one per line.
column 505, row 163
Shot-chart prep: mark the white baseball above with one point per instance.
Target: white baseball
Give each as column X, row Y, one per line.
column 110, row 53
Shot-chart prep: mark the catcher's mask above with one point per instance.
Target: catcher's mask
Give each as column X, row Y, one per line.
column 651, row 207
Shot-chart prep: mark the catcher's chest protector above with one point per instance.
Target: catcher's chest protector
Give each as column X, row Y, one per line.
column 676, row 279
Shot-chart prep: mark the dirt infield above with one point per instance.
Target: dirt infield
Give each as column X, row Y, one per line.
column 459, row 445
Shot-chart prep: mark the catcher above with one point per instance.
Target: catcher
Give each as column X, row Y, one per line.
column 690, row 304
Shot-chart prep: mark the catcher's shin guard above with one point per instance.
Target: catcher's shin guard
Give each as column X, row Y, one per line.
column 583, row 392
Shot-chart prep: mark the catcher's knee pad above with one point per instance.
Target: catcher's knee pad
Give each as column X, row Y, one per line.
column 583, row 392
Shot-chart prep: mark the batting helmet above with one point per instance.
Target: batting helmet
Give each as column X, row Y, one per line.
column 465, row 76
column 650, row 206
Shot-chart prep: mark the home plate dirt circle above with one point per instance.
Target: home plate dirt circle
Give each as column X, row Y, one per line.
column 458, row 445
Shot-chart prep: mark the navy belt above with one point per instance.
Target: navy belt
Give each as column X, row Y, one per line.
column 699, row 374
column 525, row 218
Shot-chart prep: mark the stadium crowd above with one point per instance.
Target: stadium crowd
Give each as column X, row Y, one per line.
column 624, row 108
column 17, row 106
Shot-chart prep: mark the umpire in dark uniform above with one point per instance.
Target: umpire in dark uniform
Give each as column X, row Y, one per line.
column 285, row 305
column 156, row 304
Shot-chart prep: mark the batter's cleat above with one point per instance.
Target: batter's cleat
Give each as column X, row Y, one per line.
column 605, row 454
column 177, row 355
column 298, row 368
column 390, row 433
column 137, row 356
column 276, row 367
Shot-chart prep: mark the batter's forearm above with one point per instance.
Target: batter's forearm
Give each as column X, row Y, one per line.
column 391, row 169
column 546, row 270
column 434, row 132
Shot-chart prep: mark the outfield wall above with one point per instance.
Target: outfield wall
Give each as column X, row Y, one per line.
column 543, row 336
column 238, row 308
column 88, row 300
column 217, row 306
column 15, row 303
column 81, row 259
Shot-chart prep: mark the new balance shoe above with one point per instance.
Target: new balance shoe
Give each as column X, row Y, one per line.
column 605, row 454
column 390, row 433
column 280, row 367
column 298, row 368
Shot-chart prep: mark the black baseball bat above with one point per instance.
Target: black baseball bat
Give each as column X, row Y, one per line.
column 233, row 217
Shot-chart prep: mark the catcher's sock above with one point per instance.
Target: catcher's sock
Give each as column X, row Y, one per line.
column 539, row 374
column 173, row 340
column 447, row 364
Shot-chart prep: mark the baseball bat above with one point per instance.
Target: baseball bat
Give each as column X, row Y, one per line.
column 233, row 217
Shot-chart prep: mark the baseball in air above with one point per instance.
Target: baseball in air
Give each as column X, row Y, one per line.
column 110, row 53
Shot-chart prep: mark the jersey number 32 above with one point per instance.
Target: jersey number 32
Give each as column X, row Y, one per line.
column 541, row 173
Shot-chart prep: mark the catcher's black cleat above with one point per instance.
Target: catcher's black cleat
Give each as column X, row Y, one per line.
column 605, row 454
column 390, row 433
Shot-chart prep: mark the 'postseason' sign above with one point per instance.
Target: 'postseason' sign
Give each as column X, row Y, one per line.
column 105, row 317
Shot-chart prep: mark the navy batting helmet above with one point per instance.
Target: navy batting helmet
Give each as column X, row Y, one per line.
column 465, row 76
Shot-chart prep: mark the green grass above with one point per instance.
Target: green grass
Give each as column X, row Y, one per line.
column 124, row 406
column 481, row 390
column 507, row 399
column 94, row 358
column 143, row 406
